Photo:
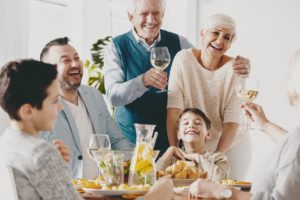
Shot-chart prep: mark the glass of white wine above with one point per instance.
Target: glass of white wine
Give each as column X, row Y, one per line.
column 247, row 90
column 98, row 145
column 160, row 59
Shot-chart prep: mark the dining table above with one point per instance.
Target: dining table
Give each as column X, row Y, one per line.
column 90, row 196
column 93, row 197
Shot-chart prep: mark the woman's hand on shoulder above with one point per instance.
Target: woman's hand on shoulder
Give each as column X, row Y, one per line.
column 241, row 65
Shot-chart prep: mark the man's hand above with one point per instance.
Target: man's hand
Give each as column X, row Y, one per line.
column 155, row 78
column 241, row 65
column 63, row 149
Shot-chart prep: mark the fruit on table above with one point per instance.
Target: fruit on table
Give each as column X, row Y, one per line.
column 89, row 184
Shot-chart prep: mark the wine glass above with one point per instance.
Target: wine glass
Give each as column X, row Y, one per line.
column 247, row 90
column 160, row 59
column 98, row 144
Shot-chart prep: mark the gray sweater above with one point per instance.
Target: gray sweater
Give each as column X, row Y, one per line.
column 39, row 170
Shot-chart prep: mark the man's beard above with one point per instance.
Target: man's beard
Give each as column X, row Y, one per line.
column 68, row 86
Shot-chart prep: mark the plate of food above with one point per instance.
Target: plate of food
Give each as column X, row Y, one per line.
column 80, row 183
column 114, row 192
column 235, row 183
column 183, row 173
column 120, row 190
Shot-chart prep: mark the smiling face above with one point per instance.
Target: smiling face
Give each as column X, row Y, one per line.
column 216, row 41
column 192, row 128
column 147, row 19
column 69, row 66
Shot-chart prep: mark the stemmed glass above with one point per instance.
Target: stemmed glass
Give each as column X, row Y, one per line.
column 98, row 144
column 247, row 90
column 160, row 59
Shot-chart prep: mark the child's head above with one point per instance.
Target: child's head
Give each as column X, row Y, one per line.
column 28, row 92
column 193, row 126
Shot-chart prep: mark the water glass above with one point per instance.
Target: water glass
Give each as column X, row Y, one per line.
column 114, row 168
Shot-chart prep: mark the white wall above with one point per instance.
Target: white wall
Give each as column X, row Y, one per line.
column 181, row 17
column 268, row 34
column 109, row 17
column 96, row 23
column 12, row 29
column 12, row 38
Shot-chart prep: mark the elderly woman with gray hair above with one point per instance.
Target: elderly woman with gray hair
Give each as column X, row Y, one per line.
column 279, row 176
column 205, row 78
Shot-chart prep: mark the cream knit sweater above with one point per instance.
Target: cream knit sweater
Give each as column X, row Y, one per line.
column 191, row 85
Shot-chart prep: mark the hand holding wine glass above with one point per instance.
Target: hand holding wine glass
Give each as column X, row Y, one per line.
column 257, row 114
column 160, row 59
column 247, row 90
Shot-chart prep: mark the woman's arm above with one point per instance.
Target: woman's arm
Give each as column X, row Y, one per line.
column 172, row 120
column 256, row 113
column 227, row 137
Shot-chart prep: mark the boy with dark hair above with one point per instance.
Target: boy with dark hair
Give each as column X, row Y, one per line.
column 194, row 130
column 29, row 94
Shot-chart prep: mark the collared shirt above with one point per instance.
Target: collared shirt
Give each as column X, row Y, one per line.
column 143, row 42
column 118, row 91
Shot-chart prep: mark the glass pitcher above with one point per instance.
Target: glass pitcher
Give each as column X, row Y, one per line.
column 142, row 168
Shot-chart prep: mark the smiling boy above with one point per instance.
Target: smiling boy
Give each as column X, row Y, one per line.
column 193, row 131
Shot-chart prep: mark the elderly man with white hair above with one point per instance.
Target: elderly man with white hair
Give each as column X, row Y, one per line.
column 130, row 81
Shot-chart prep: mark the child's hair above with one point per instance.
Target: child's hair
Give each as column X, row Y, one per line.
column 22, row 82
column 198, row 112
